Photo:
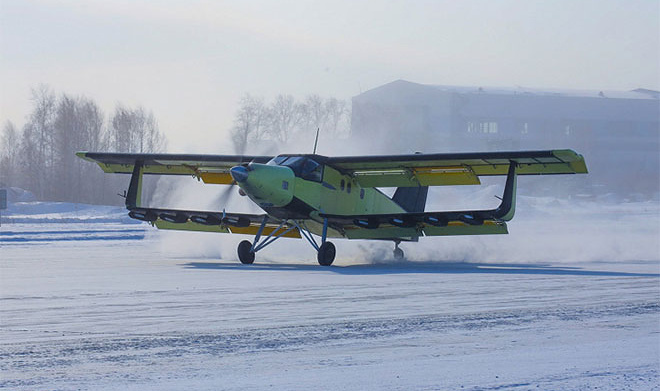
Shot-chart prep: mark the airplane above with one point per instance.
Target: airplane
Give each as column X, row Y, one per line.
column 308, row 195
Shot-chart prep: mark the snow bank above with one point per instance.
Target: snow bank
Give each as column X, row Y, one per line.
column 63, row 212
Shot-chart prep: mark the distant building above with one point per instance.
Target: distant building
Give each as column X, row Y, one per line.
column 617, row 132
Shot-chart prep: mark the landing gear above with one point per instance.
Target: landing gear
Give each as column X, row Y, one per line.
column 398, row 253
column 326, row 251
column 326, row 254
column 245, row 253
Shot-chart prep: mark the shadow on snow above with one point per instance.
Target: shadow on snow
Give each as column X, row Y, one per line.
column 433, row 267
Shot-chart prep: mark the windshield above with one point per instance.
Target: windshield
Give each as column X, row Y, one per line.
column 302, row 167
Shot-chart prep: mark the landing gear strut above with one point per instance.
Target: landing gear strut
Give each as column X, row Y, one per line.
column 398, row 253
column 326, row 251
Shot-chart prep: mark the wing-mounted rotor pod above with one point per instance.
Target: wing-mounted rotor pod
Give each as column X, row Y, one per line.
column 205, row 219
column 143, row 214
column 436, row 220
column 208, row 218
column 453, row 168
column 366, row 222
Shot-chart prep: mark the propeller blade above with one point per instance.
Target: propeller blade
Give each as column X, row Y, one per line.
column 225, row 195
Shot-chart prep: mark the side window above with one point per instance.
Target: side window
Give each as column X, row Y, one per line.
column 342, row 184
column 312, row 171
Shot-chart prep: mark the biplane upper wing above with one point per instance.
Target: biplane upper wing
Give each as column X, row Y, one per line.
column 209, row 168
column 454, row 168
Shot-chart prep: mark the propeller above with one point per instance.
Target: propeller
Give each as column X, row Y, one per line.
column 226, row 195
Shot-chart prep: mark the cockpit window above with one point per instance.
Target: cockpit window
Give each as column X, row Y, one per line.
column 302, row 167
column 277, row 160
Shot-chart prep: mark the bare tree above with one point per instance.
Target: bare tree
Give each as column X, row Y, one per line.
column 37, row 142
column 314, row 113
column 251, row 122
column 9, row 153
column 337, row 117
column 134, row 130
column 285, row 116
column 78, row 126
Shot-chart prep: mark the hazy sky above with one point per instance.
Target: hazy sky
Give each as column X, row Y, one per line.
column 190, row 61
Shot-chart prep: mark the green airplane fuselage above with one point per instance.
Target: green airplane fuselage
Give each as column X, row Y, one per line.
column 296, row 193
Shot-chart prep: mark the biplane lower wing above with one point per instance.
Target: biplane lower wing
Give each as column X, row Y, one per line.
column 207, row 221
column 407, row 226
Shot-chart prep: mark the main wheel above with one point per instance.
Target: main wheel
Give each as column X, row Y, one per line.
column 398, row 254
column 326, row 254
column 245, row 254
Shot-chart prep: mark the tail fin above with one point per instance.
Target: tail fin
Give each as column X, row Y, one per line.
column 411, row 199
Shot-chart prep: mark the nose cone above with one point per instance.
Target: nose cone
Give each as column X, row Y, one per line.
column 239, row 173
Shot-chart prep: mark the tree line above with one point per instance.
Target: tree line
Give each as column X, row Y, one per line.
column 40, row 156
column 286, row 119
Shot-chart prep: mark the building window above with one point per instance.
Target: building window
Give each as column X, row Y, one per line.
column 348, row 188
column 342, row 184
column 483, row 127
column 361, row 194
column 488, row 127
column 525, row 128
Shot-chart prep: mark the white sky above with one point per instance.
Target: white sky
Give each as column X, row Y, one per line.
column 190, row 61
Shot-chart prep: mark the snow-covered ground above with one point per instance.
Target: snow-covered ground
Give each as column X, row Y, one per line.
column 570, row 300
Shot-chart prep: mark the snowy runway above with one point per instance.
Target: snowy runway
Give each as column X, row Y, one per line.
column 109, row 308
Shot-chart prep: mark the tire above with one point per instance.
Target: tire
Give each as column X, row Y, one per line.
column 245, row 254
column 326, row 254
column 398, row 254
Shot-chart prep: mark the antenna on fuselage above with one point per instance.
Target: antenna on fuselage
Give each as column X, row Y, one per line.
column 316, row 141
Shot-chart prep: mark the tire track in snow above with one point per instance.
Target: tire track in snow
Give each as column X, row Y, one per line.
column 71, row 350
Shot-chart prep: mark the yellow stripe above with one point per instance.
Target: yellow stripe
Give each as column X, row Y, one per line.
column 252, row 230
column 217, row 178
